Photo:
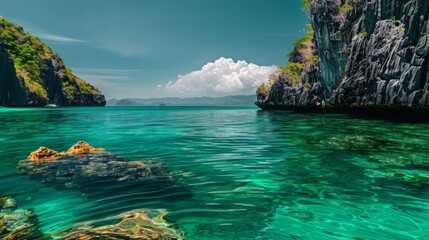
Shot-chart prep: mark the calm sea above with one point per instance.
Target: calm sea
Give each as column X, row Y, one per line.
column 234, row 172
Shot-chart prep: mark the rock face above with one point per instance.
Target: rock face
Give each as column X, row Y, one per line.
column 31, row 74
column 371, row 54
column 12, row 91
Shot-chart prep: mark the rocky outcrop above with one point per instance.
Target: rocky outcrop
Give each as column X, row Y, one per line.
column 371, row 55
column 43, row 154
column 83, row 164
column 31, row 74
column 83, row 148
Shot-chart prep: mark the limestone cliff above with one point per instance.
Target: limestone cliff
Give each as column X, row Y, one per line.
column 370, row 54
column 31, row 74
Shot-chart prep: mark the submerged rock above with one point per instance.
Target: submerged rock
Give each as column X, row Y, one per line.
column 413, row 178
column 93, row 172
column 85, row 167
column 139, row 224
column 7, row 203
column 16, row 223
column 75, row 170
column 348, row 143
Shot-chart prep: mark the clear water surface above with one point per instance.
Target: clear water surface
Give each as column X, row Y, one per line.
column 238, row 173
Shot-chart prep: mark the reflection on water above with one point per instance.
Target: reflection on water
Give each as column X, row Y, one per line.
column 234, row 173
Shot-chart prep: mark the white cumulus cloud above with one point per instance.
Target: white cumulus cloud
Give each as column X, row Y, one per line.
column 222, row 77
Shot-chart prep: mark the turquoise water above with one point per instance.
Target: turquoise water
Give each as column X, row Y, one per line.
column 235, row 172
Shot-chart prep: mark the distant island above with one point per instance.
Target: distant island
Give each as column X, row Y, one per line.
column 33, row 75
column 237, row 100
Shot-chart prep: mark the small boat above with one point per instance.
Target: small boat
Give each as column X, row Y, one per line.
column 162, row 104
column 52, row 105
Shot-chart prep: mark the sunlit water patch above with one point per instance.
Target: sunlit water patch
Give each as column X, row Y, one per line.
column 233, row 172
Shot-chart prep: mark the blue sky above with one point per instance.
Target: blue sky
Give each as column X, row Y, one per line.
column 142, row 48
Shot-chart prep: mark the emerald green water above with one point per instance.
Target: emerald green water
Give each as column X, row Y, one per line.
column 237, row 173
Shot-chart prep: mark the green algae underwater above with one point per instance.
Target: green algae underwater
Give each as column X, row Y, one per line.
column 230, row 172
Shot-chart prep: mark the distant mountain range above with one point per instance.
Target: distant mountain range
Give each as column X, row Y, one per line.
column 237, row 100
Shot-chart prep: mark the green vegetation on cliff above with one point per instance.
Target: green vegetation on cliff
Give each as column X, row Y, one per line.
column 308, row 38
column 302, row 56
column 27, row 52
column 346, row 7
column 33, row 59
column 306, row 4
column 265, row 87
column 292, row 71
column 343, row 8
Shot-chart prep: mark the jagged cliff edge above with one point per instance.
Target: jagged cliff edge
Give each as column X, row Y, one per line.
column 370, row 54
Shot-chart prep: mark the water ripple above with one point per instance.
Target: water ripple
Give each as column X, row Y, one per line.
column 233, row 173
